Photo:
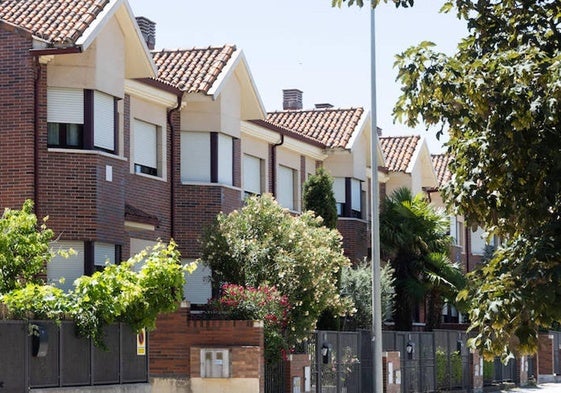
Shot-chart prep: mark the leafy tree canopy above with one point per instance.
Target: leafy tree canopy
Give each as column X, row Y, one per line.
column 356, row 283
column 263, row 244
column 413, row 238
column 498, row 97
column 318, row 196
column 24, row 248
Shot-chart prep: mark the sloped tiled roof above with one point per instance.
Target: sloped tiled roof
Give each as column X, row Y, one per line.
column 192, row 70
column 60, row 22
column 398, row 151
column 331, row 127
column 440, row 163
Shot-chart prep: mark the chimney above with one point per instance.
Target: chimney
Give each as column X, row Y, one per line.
column 148, row 30
column 291, row 99
column 325, row 105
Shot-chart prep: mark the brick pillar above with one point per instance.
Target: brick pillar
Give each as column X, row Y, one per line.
column 477, row 371
column 545, row 358
column 296, row 365
column 391, row 371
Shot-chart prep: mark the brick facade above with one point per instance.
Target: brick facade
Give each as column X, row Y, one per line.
column 356, row 238
column 17, row 85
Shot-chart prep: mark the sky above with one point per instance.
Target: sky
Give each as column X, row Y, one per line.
column 308, row 45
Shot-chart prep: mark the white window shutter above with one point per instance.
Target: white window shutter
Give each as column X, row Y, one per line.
column 225, row 159
column 339, row 189
column 195, row 156
column 356, row 195
column 104, row 121
column 285, row 187
column 252, row 174
column 68, row 268
column 104, row 253
column 65, row 105
column 145, row 144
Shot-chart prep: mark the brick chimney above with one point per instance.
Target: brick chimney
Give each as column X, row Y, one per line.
column 148, row 30
column 291, row 99
column 324, row 105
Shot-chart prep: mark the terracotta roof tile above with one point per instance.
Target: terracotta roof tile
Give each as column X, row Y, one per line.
column 60, row 22
column 398, row 151
column 192, row 70
column 440, row 163
column 331, row 127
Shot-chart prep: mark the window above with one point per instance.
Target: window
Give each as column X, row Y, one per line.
column 225, row 158
column 104, row 108
column 65, row 118
column 252, row 178
column 195, row 156
column 339, row 193
column 61, row 271
column 356, row 198
column 215, row 363
column 286, row 187
column 207, row 157
column 146, row 148
column 348, row 196
column 81, row 119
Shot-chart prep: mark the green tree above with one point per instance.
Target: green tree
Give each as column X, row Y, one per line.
column 263, row 244
column 318, row 196
column 498, row 97
column 24, row 248
column 413, row 237
column 356, row 283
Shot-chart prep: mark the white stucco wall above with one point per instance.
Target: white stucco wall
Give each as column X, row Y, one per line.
column 101, row 67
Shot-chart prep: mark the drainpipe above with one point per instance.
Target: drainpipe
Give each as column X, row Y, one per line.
column 274, row 165
column 172, row 159
column 37, row 78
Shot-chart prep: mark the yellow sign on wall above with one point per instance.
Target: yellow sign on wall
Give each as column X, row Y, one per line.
column 141, row 343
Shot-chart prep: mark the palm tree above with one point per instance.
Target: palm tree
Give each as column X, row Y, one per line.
column 414, row 239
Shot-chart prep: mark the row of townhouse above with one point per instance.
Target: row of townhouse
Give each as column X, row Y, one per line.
column 121, row 145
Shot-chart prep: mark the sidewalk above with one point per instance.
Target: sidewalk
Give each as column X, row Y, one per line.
column 541, row 388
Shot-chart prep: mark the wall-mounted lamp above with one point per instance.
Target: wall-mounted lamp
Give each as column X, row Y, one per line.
column 410, row 349
column 325, row 352
column 459, row 345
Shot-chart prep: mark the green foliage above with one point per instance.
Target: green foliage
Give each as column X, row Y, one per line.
column 264, row 303
column 262, row 243
column 360, row 3
column 413, row 237
column 36, row 301
column 318, row 197
column 498, row 97
column 356, row 283
column 24, row 248
column 448, row 376
column 118, row 293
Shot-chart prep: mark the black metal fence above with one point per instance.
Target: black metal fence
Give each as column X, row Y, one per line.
column 41, row 354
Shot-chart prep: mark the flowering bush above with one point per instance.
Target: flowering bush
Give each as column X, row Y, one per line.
column 264, row 303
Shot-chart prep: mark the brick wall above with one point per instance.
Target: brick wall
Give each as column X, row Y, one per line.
column 295, row 368
column 545, row 354
column 196, row 207
column 170, row 344
column 391, row 372
column 16, row 118
column 356, row 238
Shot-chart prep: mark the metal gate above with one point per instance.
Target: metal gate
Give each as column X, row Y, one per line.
column 275, row 380
column 417, row 359
column 337, row 362
column 452, row 360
